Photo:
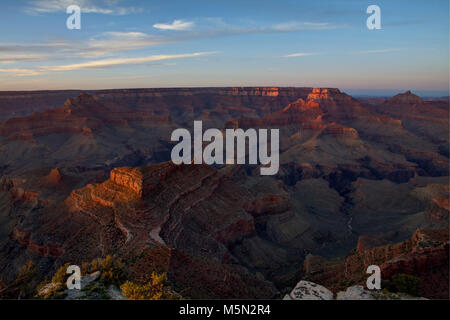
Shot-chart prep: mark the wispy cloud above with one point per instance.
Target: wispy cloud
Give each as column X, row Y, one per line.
column 178, row 25
column 110, row 47
column 299, row 54
column 106, row 63
column 21, row 72
column 112, row 42
column 213, row 27
column 33, row 47
column 87, row 6
column 292, row 26
column 104, row 44
column 377, row 51
column 21, row 58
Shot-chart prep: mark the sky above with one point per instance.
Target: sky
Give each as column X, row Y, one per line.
column 179, row 43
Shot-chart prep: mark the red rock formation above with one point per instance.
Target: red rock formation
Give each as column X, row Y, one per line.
column 425, row 255
column 17, row 193
column 268, row 205
column 53, row 178
column 318, row 93
column 42, row 249
column 193, row 208
column 429, row 261
column 404, row 98
column 219, row 226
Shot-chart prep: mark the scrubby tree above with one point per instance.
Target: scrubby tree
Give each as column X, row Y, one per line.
column 406, row 283
column 113, row 271
column 156, row 289
column 23, row 287
column 61, row 275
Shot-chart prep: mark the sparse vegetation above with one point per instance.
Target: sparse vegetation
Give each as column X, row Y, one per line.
column 95, row 291
column 406, row 283
column 401, row 283
column 61, row 275
column 113, row 271
column 113, row 275
column 24, row 285
column 156, row 289
column 49, row 290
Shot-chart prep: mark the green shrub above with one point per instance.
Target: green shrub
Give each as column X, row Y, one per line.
column 406, row 283
column 113, row 271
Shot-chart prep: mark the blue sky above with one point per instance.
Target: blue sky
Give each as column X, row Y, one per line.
column 135, row 44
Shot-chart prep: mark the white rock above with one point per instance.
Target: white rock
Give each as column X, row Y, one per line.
column 87, row 279
column 356, row 293
column 306, row 290
column 115, row 294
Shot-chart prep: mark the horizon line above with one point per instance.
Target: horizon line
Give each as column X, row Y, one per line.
column 369, row 92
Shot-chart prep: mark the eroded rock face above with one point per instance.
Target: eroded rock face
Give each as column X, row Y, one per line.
column 27, row 102
column 425, row 256
column 194, row 216
column 90, row 178
column 270, row 204
column 404, row 98
column 321, row 128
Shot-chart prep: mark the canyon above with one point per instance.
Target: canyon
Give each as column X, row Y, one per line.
column 89, row 174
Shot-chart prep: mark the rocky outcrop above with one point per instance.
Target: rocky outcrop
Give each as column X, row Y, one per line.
column 43, row 249
column 356, row 293
column 129, row 178
column 271, row 204
column 425, row 256
column 359, row 293
column 404, row 98
column 306, row 290
column 337, row 131
column 429, row 261
column 53, row 178
column 318, row 93
column 28, row 102
column 90, row 281
column 195, row 209
column 21, row 195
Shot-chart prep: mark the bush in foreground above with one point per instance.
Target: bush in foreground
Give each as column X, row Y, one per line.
column 156, row 289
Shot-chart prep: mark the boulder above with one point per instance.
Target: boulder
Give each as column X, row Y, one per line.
column 306, row 290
